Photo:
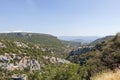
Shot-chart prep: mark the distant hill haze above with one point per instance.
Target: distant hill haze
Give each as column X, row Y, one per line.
column 82, row 39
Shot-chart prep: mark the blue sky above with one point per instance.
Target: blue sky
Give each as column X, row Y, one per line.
column 61, row 17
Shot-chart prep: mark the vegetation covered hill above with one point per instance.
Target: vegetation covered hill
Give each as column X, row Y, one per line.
column 44, row 40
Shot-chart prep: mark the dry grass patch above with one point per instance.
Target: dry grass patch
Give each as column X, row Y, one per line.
column 107, row 76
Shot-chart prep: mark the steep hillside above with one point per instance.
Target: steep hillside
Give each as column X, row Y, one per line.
column 110, row 51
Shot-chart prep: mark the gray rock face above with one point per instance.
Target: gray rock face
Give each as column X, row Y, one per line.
column 20, row 44
column 34, row 65
column 18, row 63
column 3, row 58
column 56, row 60
column 19, row 77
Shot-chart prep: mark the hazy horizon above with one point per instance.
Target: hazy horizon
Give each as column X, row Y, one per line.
column 58, row 35
column 61, row 17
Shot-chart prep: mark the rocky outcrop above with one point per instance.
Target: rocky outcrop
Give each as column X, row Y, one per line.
column 20, row 44
column 19, row 77
column 34, row 65
column 59, row 60
column 50, row 50
column 2, row 45
column 56, row 60
column 14, row 62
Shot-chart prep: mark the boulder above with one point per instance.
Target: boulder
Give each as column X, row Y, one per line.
column 2, row 45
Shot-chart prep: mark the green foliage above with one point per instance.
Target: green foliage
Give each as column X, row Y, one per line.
column 58, row 72
column 111, row 53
